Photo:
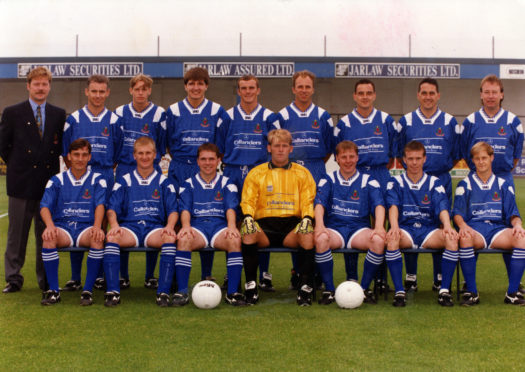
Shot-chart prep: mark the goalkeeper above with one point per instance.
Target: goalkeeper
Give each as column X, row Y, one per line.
column 277, row 204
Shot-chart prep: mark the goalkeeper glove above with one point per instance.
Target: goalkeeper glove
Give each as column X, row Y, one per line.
column 305, row 226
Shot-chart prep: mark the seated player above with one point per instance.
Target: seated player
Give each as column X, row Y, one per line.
column 277, row 203
column 142, row 211
column 207, row 204
column 73, row 209
column 487, row 216
column 418, row 206
column 345, row 201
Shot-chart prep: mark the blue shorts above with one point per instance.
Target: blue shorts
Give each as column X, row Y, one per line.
column 347, row 233
column 316, row 167
column 209, row 228
column 418, row 234
column 179, row 172
column 74, row 231
column 141, row 231
column 488, row 231
column 379, row 173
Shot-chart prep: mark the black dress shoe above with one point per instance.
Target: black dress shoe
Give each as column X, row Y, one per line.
column 10, row 288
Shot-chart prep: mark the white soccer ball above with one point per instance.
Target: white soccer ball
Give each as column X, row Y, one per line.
column 349, row 295
column 206, row 294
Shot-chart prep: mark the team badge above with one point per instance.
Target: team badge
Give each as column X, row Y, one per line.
column 218, row 196
column 105, row 132
column 86, row 194
column 315, row 125
column 205, row 123
column 257, row 128
column 425, row 200
column 355, row 195
column 501, row 131
column 496, row 196
column 145, row 128
column 440, row 132
column 377, row 131
column 156, row 194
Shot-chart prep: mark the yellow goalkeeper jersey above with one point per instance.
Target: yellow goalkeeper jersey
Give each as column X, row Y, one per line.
column 270, row 191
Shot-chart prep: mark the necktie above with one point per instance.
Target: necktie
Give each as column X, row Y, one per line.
column 39, row 120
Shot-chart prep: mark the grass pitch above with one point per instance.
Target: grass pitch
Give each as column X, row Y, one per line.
column 274, row 335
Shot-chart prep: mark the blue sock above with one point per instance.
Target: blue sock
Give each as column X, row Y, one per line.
column 467, row 259
column 182, row 270
column 372, row 262
column 351, row 262
column 151, row 262
column 517, row 265
column 264, row 264
column 325, row 262
column 124, row 265
column 234, row 270
column 93, row 262
column 395, row 266
column 206, row 264
column 50, row 258
column 448, row 265
column 507, row 259
column 436, row 263
column 76, row 265
column 411, row 263
column 166, row 267
column 112, row 266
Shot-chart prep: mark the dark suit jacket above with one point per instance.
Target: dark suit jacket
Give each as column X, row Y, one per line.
column 31, row 161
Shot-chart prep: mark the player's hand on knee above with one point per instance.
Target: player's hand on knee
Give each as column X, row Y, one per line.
column 232, row 233
column 249, row 226
column 115, row 231
column 393, row 235
column 50, row 234
column 306, row 226
column 450, row 233
column 168, row 235
column 186, row 232
column 379, row 232
column 97, row 234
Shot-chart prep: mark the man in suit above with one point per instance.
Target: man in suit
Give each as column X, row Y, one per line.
column 30, row 144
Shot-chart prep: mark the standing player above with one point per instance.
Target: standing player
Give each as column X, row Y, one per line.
column 487, row 216
column 277, row 204
column 95, row 123
column 374, row 132
column 501, row 129
column 207, row 204
column 345, row 201
column 439, row 132
column 418, row 205
column 190, row 123
column 142, row 211
column 73, row 209
column 243, row 141
column 140, row 118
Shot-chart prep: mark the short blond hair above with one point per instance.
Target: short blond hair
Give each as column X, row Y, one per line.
column 144, row 141
column 481, row 146
column 280, row 135
column 303, row 74
column 146, row 79
column 39, row 71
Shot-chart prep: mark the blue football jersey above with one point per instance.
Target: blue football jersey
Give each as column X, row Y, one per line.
column 150, row 122
column 102, row 132
column 243, row 138
column 348, row 202
column 420, row 203
column 70, row 199
column 439, row 134
column 312, row 131
column 375, row 136
column 136, row 199
column 490, row 202
column 504, row 132
column 188, row 128
column 202, row 199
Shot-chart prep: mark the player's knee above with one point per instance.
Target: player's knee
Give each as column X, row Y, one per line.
column 322, row 241
column 49, row 244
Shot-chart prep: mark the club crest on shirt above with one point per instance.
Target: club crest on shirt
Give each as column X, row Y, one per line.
column 205, row 123
column 501, row 131
column 355, row 195
column 86, row 194
column 105, row 132
column 377, row 131
column 257, row 128
column 218, row 196
column 145, row 128
column 156, row 194
column 440, row 132
column 496, row 196
column 425, row 200
column 315, row 125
